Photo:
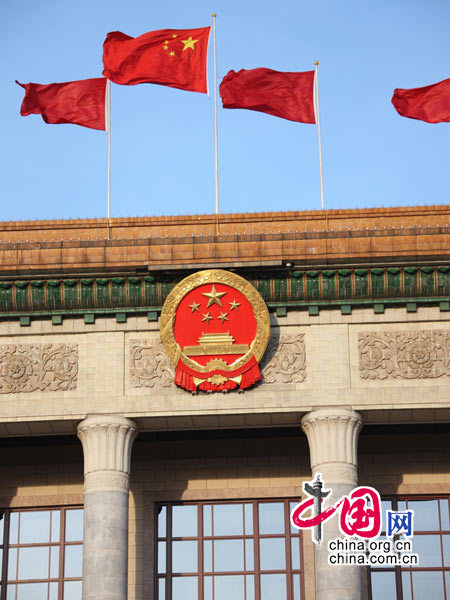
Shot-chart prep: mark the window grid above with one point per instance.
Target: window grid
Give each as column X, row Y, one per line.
column 201, row 573
column 62, row 544
column 409, row 571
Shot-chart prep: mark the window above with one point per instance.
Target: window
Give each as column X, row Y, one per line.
column 42, row 553
column 217, row 551
column 431, row 541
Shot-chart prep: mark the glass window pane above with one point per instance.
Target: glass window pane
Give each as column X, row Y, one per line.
column 207, row 512
column 272, row 554
column 184, row 588
column 271, row 517
column 54, row 562
column 2, row 521
column 447, row 582
column 428, row 547
column 10, row 592
column 446, row 547
column 73, row 561
column 72, row 590
column 295, row 553
column 56, row 521
column 445, row 516
column 406, row 584
column 249, row 555
column 13, row 527
column 34, row 527
column 53, row 595
column 296, row 587
column 383, row 585
column 229, row 586
column 32, row 591
column 162, row 518
column 228, row 519
column 428, row 584
column 33, row 563
column 250, row 582
column 273, row 586
column 184, row 557
column 184, row 521
column 12, row 563
column 161, row 589
column 207, row 556
column 228, row 555
column 292, row 505
column 161, row 557
column 248, row 509
column 207, row 588
column 74, row 525
column 426, row 515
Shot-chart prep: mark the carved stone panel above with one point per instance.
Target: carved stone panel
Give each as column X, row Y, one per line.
column 149, row 365
column 33, row 367
column 404, row 354
column 285, row 359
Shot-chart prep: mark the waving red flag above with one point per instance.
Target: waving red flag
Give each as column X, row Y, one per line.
column 173, row 57
column 78, row 102
column 286, row 95
column 430, row 103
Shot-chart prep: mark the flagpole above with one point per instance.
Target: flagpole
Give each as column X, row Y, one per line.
column 316, row 79
column 108, row 128
column 216, row 147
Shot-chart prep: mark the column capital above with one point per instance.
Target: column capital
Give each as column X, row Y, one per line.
column 332, row 434
column 107, row 441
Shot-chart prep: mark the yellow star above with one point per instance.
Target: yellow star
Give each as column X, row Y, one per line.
column 166, row 41
column 223, row 317
column 174, row 35
column 194, row 306
column 189, row 43
column 171, row 53
column 234, row 305
column 207, row 317
column 213, row 297
column 166, row 47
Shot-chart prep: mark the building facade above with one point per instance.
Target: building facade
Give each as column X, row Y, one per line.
column 116, row 483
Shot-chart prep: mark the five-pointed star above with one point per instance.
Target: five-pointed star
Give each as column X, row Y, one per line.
column 171, row 53
column 207, row 317
column 189, row 43
column 166, row 47
column 234, row 305
column 223, row 317
column 174, row 35
column 194, row 306
column 214, row 297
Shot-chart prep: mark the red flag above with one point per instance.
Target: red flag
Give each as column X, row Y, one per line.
column 78, row 102
column 173, row 57
column 430, row 103
column 286, row 95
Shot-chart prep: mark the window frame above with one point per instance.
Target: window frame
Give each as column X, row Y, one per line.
column 200, row 538
column 398, row 570
column 61, row 544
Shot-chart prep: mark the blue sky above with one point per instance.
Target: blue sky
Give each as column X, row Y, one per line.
column 162, row 138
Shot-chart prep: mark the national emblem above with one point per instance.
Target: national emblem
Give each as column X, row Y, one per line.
column 215, row 328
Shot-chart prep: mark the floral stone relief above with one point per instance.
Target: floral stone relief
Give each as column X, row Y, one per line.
column 33, row 367
column 404, row 354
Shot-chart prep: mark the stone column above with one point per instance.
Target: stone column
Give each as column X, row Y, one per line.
column 333, row 437
column 107, row 442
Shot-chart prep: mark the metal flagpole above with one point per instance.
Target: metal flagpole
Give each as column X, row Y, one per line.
column 216, row 150
column 108, row 128
column 316, row 79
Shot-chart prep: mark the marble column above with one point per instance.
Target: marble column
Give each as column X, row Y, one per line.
column 333, row 437
column 107, row 442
